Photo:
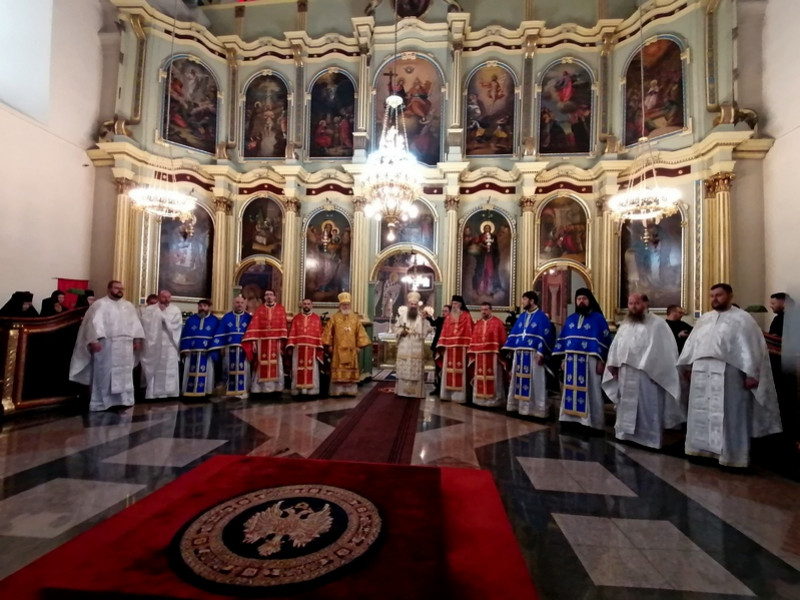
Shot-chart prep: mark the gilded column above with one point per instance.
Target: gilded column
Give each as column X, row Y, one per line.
column 526, row 250
column 359, row 258
column 291, row 255
column 450, row 270
column 220, row 280
column 606, row 280
column 717, row 232
column 123, row 235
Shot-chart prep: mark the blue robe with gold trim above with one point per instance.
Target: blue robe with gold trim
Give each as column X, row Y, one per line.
column 532, row 333
column 227, row 343
column 195, row 343
column 582, row 337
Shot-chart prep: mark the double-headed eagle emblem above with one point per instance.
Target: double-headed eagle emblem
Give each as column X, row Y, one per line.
column 300, row 523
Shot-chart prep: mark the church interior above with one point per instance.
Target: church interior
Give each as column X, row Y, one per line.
column 218, row 148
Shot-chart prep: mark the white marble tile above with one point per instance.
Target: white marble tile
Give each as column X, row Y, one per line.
column 166, row 452
column 572, row 476
column 694, row 572
column 591, row 531
column 645, row 533
column 619, row 567
column 50, row 509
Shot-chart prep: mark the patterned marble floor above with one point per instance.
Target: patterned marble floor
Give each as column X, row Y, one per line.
column 595, row 519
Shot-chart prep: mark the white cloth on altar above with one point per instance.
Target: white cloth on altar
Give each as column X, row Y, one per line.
column 115, row 324
column 595, row 415
column 647, row 389
column 410, row 365
column 722, row 350
column 160, row 358
column 536, row 404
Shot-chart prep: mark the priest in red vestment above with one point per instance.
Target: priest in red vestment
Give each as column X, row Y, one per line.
column 488, row 337
column 305, row 346
column 263, row 343
column 453, row 344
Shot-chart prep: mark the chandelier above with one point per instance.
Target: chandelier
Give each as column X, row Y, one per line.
column 160, row 195
column 391, row 177
column 643, row 199
column 419, row 275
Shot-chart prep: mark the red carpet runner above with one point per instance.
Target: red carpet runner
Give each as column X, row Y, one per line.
column 380, row 428
column 125, row 557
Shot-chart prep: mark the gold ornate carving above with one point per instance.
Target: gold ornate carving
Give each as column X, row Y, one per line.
column 731, row 114
column 291, row 205
column 123, row 185
column 528, row 204
column 451, row 202
column 11, row 364
column 719, row 183
column 359, row 203
column 222, row 205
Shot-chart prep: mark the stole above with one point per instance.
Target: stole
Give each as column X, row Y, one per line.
column 576, row 385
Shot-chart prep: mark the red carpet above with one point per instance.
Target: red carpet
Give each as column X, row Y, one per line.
column 380, row 428
column 454, row 543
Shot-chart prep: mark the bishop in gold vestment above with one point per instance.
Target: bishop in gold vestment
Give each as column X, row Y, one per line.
column 343, row 336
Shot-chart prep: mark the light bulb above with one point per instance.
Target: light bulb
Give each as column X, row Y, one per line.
column 390, row 236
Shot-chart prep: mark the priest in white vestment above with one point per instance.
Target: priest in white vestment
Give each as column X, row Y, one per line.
column 104, row 354
column 162, row 325
column 641, row 377
column 731, row 395
column 412, row 328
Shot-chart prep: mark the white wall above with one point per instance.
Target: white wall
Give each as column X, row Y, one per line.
column 781, row 88
column 47, row 186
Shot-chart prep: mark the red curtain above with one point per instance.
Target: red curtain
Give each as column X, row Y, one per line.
column 65, row 285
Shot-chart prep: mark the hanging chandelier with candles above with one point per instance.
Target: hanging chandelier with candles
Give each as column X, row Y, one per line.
column 644, row 199
column 391, row 178
column 159, row 193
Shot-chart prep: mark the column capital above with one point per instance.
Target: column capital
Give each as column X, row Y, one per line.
column 527, row 204
column 451, row 202
column 359, row 203
column 291, row 204
column 123, row 184
column 223, row 205
column 719, row 182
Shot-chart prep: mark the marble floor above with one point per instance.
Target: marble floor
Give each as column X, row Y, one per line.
column 594, row 519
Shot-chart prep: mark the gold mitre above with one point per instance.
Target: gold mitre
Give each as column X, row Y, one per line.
column 413, row 297
column 344, row 298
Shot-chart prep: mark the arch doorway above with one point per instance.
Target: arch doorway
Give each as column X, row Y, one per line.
column 556, row 285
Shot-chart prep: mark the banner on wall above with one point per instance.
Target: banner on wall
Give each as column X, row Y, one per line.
column 65, row 285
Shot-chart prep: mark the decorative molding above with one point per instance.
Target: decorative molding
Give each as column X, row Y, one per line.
column 528, row 204
column 451, row 202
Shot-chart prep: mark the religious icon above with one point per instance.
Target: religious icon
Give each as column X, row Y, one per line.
column 490, row 112
column 394, row 283
column 486, row 255
column 262, row 228
column 565, row 117
column 417, row 231
column 419, row 83
column 255, row 279
column 190, row 97
column 184, row 266
column 661, row 99
column 653, row 268
column 562, row 230
column 266, row 117
column 332, row 115
column 327, row 256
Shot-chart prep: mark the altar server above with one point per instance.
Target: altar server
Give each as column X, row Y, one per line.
column 264, row 342
column 226, row 348
column 305, row 346
column 198, row 368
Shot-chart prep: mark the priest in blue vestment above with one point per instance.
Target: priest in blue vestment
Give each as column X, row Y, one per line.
column 531, row 340
column 196, row 337
column 227, row 347
column 584, row 342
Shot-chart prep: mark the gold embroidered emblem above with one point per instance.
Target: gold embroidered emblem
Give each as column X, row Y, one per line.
column 299, row 523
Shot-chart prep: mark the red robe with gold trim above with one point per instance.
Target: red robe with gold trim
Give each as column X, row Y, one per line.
column 488, row 337
column 264, row 340
column 455, row 338
column 305, row 337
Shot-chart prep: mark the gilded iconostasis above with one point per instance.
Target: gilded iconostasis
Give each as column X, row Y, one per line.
column 522, row 130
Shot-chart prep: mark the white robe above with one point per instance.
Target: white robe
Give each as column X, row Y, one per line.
column 647, row 388
column 410, row 366
column 115, row 324
column 162, row 335
column 723, row 349
column 536, row 404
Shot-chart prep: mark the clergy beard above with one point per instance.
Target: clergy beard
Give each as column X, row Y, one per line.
column 306, row 311
column 455, row 312
column 583, row 310
column 345, row 311
column 413, row 313
column 635, row 317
